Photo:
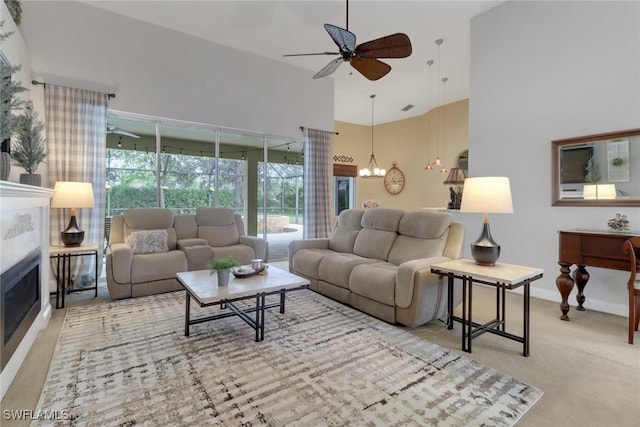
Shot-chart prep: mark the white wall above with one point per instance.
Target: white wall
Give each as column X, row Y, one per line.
column 164, row 73
column 542, row 71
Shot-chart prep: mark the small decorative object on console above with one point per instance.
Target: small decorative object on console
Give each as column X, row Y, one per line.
column 619, row 223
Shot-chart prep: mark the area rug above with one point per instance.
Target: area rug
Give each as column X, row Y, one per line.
column 321, row 363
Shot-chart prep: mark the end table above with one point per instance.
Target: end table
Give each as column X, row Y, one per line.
column 63, row 255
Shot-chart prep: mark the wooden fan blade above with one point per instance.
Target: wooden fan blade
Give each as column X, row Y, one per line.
column 345, row 40
column 371, row 68
column 329, row 68
column 393, row 46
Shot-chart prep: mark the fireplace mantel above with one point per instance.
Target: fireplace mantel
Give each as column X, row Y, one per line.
column 31, row 204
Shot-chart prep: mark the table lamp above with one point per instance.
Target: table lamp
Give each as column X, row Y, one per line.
column 488, row 194
column 72, row 195
column 455, row 178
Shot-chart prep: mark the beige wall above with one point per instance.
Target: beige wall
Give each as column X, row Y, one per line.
column 412, row 143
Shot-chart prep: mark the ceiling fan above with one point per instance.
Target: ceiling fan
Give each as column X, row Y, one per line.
column 118, row 131
column 363, row 57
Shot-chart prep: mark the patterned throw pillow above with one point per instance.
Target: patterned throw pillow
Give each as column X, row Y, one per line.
column 148, row 242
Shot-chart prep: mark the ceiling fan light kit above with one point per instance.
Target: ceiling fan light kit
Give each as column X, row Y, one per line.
column 363, row 57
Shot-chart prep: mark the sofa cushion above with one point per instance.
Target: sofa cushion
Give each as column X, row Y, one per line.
column 217, row 226
column 374, row 244
column 424, row 225
column 307, row 261
column 382, row 219
column 148, row 241
column 335, row 268
column 151, row 267
column 375, row 281
column 421, row 235
column 344, row 235
column 140, row 219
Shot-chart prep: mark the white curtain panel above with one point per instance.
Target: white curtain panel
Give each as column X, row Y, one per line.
column 76, row 124
column 317, row 183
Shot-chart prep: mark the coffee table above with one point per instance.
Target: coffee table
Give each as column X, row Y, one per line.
column 203, row 288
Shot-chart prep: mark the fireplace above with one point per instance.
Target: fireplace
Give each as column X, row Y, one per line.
column 19, row 302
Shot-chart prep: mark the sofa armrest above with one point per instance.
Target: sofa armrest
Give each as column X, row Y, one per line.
column 260, row 246
column 296, row 245
column 412, row 274
column 121, row 259
column 194, row 241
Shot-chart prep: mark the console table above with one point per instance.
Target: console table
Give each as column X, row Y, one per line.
column 503, row 277
column 594, row 248
column 63, row 255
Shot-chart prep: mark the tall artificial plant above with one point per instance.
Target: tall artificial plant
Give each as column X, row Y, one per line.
column 29, row 147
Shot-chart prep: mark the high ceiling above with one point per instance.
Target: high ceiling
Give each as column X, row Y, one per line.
column 274, row 28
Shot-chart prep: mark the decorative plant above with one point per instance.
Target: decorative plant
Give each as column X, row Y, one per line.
column 222, row 263
column 619, row 223
column 29, row 147
column 9, row 99
column 15, row 10
column 593, row 171
column 618, row 161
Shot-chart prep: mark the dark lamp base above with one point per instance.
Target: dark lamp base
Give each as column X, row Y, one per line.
column 72, row 235
column 485, row 250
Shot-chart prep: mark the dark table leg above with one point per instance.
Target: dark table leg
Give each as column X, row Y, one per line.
column 96, row 276
column 470, row 319
column 564, row 283
column 581, row 277
column 186, row 314
column 282, row 299
column 525, row 350
column 450, row 300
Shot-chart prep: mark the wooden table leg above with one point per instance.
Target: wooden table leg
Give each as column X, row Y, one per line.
column 581, row 277
column 564, row 283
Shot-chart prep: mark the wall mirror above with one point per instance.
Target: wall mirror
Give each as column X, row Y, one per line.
column 597, row 170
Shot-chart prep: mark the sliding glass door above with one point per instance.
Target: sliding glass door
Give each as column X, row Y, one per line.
column 181, row 166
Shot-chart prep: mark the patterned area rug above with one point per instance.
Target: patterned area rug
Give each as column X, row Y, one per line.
column 321, row 364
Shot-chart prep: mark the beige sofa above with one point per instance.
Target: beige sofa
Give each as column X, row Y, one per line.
column 379, row 261
column 148, row 246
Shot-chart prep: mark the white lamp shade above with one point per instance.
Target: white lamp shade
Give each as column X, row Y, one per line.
column 487, row 194
column 599, row 191
column 70, row 194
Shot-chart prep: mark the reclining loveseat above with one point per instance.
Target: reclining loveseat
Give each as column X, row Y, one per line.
column 148, row 246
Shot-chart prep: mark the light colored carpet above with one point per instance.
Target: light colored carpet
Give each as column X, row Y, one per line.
column 321, row 363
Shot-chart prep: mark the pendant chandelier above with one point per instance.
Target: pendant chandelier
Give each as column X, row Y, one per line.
column 372, row 170
column 437, row 162
column 429, row 166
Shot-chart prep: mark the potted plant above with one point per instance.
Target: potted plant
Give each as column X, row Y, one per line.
column 222, row 266
column 30, row 148
column 10, row 101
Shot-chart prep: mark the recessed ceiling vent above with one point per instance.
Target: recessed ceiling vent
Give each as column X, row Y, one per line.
column 408, row 107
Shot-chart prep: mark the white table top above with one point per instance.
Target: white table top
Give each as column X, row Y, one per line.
column 61, row 249
column 504, row 273
column 204, row 286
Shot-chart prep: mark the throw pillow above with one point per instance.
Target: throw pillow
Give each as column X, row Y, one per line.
column 148, row 241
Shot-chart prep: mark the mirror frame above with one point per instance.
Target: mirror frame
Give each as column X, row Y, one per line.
column 555, row 171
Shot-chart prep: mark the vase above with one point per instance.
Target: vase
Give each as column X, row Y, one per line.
column 5, row 165
column 34, row 179
column 223, row 277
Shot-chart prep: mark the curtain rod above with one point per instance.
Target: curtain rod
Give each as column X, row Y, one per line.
column 335, row 133
column 35, row 82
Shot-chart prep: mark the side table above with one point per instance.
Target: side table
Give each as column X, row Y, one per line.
column 503, row 277
column 63, row 255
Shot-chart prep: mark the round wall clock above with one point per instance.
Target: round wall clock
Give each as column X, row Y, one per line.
column 394, row 180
